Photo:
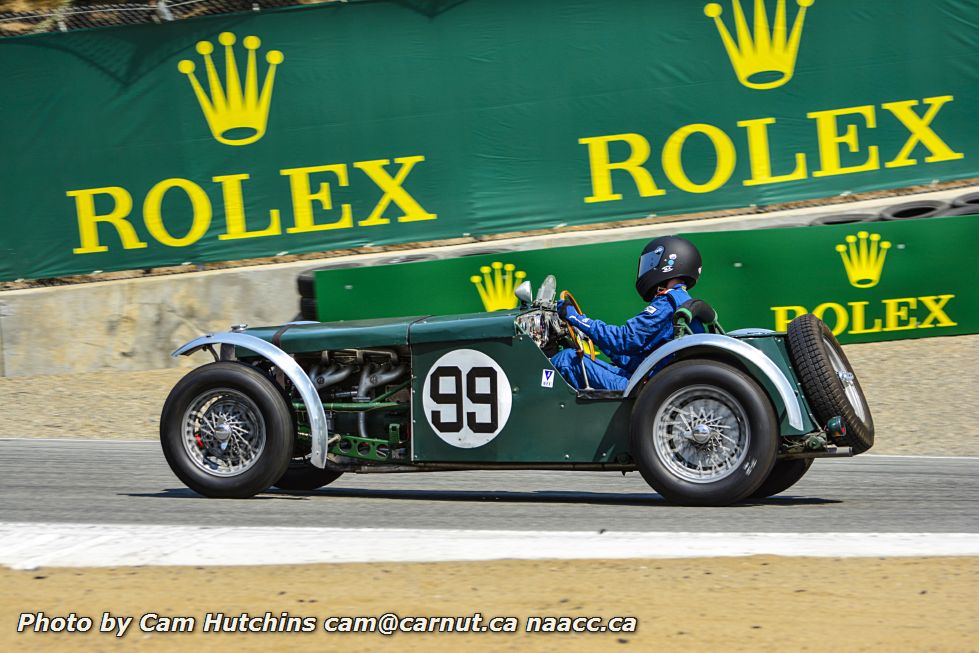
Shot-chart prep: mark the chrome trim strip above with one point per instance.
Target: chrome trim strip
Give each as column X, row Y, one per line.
column 285, row 362
column 737, row 347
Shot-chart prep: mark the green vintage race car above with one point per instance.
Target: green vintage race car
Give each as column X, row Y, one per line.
column 707, row 419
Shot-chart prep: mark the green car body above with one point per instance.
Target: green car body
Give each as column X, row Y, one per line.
column 707, row 418
column 548, row 424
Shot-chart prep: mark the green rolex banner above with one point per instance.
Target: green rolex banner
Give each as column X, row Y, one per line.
column 868, row 282
column 378, row 122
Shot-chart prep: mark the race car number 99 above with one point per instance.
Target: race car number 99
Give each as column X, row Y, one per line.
column 466, row 398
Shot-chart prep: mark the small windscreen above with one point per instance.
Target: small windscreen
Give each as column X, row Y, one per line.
column 545, row 296
column 650, row 260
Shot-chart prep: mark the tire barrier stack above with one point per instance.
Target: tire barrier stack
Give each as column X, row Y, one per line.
column 844, row 218
column 967, row 204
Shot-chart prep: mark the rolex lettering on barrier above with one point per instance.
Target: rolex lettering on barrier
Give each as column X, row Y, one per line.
column 863, row 256
column 312, row 210
column 892, row 280
column 330, row 126
column 763, row 58
column 236, row 113
column 829, row 135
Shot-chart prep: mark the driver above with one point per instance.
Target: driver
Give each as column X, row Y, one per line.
column 668, row 266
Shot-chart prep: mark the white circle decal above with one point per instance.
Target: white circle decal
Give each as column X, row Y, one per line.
column 466, row 398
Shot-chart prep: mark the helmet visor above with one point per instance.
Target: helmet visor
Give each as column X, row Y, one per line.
column 650, row 260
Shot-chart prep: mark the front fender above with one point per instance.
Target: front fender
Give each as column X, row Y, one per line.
column 742, row 350
column 289, row 367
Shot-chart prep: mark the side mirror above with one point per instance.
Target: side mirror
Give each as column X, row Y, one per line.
column 525, row 293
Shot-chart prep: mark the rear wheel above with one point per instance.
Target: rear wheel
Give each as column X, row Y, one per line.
column 828, row 381
column 785, row 474
column 704, row 433
column 226, row 431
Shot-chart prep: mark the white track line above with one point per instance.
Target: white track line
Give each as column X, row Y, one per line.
column 28, row 546
column 921, row 456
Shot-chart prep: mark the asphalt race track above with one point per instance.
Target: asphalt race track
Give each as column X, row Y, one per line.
column 105, row 482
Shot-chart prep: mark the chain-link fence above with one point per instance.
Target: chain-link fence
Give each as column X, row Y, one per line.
column 22, row 17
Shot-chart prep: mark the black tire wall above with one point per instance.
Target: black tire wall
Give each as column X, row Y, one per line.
column 811, row 345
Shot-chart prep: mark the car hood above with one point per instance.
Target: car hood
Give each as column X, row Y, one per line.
column 387, row 332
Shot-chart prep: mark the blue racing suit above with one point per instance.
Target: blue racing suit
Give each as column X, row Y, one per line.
column 626, row 346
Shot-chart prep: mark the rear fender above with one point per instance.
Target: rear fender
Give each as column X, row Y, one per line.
column 289, row 367
column 754, row 360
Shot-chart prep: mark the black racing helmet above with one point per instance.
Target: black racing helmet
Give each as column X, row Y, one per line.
column 663, row 259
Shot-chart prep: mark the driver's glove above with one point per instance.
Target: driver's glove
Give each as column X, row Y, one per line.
column 565, row 310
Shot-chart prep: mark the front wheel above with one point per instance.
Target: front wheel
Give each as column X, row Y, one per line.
column 704, row 433
column 226, row 431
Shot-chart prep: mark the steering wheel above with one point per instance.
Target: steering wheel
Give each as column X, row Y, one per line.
column 582, row 343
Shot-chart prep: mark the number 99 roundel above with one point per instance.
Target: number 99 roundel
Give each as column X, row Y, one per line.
column 466, row 398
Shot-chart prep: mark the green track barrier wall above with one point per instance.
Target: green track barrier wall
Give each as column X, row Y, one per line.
column 868, row 282
column 349, row 124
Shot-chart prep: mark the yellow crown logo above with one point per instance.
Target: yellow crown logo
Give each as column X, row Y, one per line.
column 766, row 60
column 235, row 115
column 863, row 260
column 497, row 284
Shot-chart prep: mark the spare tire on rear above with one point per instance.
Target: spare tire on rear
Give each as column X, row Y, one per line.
column 828, row 381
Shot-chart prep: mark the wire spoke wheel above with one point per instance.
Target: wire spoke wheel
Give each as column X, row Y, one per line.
column 227, row 431
column 701, row 434
column 223, row 433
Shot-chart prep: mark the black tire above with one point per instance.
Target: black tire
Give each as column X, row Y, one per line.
column 965, row 209
column 307, row 309
column 913, row 210
column 813, row 348
column 844, row 218
column 969, row 199
column 263, row 409
column 670, row 471
column 304, row 283
column 303, row 475
column 784, row 475
column 406, row 258
column 482, row 251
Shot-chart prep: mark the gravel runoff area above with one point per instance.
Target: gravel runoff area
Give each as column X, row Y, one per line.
column 723, row 604
column 923, row 394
